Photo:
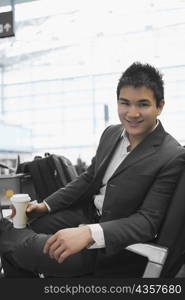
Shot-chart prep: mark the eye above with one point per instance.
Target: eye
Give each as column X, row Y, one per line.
column 143, row 104
column 124, row 102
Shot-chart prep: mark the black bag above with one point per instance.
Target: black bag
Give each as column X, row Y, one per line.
column 48, row 174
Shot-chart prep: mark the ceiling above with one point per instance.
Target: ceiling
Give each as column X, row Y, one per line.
column 45, row 29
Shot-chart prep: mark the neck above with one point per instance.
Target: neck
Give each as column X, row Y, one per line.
column 133, row 142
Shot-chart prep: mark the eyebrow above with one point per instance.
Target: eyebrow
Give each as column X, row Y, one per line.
column 140, row 100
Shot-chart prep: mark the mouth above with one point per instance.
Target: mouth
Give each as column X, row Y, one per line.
column 134, row 123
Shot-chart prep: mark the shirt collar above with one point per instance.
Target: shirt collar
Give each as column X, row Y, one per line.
column 125, row 139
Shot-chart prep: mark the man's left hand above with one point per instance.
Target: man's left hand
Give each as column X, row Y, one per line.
column 68, row 241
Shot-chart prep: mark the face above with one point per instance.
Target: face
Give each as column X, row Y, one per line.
column 137, row 110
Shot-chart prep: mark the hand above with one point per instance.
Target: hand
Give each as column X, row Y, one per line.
column 36, row 209
column 68, row 241
column 33, row 208
column 13, row 213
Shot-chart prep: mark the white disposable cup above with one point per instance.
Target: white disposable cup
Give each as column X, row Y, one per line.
column 20, row 202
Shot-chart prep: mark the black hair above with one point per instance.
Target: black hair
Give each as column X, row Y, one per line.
column 138, row 75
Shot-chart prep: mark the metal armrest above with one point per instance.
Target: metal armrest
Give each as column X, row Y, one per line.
column 156, row 258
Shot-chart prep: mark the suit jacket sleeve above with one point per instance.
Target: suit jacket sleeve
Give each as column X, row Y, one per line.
column 144, row 224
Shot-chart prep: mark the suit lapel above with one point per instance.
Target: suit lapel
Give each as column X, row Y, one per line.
column 146, row 148
column 111, row 146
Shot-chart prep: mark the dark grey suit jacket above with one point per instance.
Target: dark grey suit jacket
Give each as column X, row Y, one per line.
column 137, row 194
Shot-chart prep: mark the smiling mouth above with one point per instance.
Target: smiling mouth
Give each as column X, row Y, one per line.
column 134, row 122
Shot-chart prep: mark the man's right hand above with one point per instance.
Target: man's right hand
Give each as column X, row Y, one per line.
column 36, row 209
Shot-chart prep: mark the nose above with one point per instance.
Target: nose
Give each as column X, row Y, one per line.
column 133, row 112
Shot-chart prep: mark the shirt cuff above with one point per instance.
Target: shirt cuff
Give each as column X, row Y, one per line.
column 97, row 235
column 49, row 209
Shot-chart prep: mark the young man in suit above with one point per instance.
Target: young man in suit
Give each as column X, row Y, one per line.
column 120, row 200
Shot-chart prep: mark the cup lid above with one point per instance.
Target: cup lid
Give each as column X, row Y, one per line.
column 20, row 198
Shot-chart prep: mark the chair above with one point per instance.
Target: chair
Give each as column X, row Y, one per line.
column 166, row 256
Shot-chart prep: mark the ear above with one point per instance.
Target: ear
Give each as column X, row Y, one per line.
column 160, row 106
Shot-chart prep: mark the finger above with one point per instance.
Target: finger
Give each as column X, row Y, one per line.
column 31, row 206
column 57, row 253
column 53, row 247
column 63, row 256
column 13, row 213
column 48, row 243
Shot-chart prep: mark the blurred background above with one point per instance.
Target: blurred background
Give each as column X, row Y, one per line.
column 60, row 69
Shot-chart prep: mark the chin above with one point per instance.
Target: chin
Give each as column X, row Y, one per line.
column 134, row 132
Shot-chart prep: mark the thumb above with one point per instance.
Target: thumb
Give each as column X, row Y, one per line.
column 31, row 206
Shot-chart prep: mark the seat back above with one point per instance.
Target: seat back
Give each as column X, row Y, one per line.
column 172, row 233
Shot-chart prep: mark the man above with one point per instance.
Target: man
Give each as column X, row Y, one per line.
column 121, row 199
